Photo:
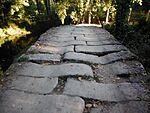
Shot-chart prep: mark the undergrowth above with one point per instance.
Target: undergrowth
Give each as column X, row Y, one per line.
column 137, row 39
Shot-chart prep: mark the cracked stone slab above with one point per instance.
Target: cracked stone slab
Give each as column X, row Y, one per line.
column 132, row 71
column 58, row 39
column 20, row 102
column 104, row 42
column 81, row 57
column 106, row 92
column 38, row 70
column 63, row 44
column 100, row 49
column 126, row 107
column 101, row 36
column 31, row 84
column 50, row 49
column 80, row 38
column 41, row 57
column 96, row 37
column 126, row 68
column 112, row 57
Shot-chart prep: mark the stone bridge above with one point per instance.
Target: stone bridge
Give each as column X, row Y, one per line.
column 76, row 69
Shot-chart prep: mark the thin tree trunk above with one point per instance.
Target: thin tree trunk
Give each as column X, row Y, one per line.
column 47, row 5
column 38, row 6
column 122, row 8
column 1, row 13
column 3, row 17
column 147, row 16
column 107, row 15
column 87, row 8
column 130, row 12
column 89, row 17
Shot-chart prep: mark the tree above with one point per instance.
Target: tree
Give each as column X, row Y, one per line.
column 47, row 5
column 122, row 9
column 38, row 6
column 61, row 9
column 132, row 3
column 108, row 4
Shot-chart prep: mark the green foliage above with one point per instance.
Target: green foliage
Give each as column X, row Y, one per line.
column 137, row 39
column 22, row 58
column 61, row 9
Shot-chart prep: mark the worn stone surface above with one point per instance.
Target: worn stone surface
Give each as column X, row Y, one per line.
column 20, row 102
column 31, row 84
column 59, row 39
column 121, row 71
column 126, row 107
column 81, row 57
column 106, row 75
column 106, row 92
column 104, row 42
column 81, row 38
column 122, row 68
column 49, row 49
column 96, row 37
column 37, row 70
column 112, row 57
column 125, row 68
column 41, row 57
column 100, row 49
column 63, row 44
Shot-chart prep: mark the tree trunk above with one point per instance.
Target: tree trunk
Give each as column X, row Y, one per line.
column 38, row 6
column 47, row 5
column 147, row 16
column 2, row 15
column 122, row 9
column 130, row 12
column 88, row 9
column 107, row 15
column 89, row 17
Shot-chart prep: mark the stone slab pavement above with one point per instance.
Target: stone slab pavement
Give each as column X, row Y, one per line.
column 76, row 69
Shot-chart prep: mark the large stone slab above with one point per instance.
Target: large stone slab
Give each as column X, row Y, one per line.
column 96, row 37
column 127, row 107
column 106, row 92
column 122, row 71
column 49, row 49
column 126, row 68
column 63, row 44
column 90, row 39
column 41, row 57
column 20, row 102
column 104, row 42
column 58, row 38
column 112, row 57
column 30, row 84
column 100, row 49
column 81, row 57
column 99, row 35
column 37, row 70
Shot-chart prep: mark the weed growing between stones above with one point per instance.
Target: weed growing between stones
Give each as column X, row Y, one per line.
column 22, row 58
